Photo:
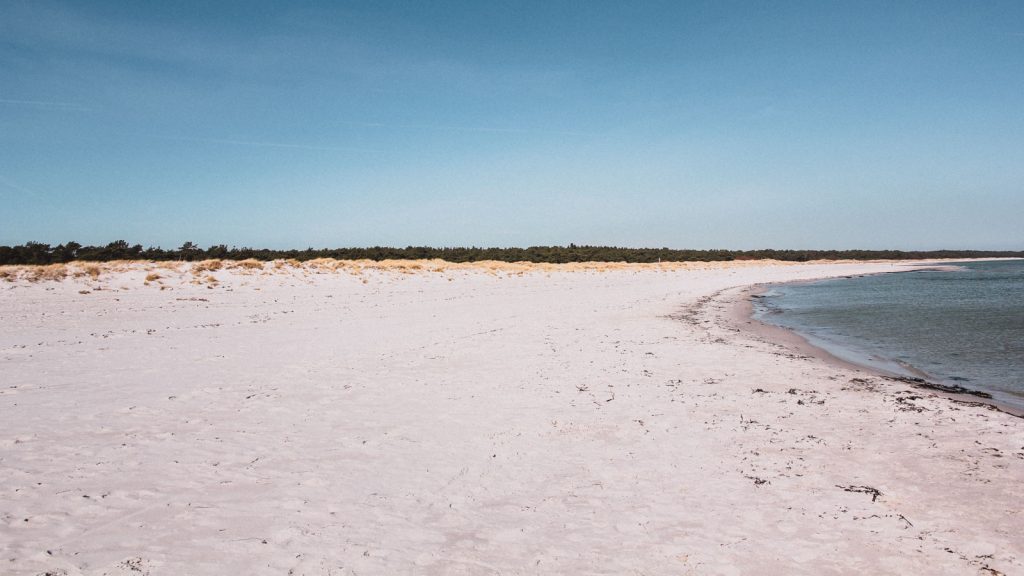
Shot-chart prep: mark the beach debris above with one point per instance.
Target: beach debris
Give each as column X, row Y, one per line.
column 135, row 565
column 875, row 493
column 906, row 403
column 757, row 480
column 866, row 384
column 746, row 423
column 954, row 389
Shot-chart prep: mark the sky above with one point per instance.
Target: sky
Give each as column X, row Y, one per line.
column 683, row 124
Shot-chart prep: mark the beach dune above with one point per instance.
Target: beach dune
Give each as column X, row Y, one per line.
column 352, row 418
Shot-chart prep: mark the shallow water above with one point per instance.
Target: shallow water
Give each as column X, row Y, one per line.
column 963, row 327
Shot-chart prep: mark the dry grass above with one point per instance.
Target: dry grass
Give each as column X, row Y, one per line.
column 209, row 280
column 90, row 269
column 291, row 262
column 320, row 265
column 53, row 272
column 248, row 264
column 358, row 268
column 47, row 273
column 207, row 266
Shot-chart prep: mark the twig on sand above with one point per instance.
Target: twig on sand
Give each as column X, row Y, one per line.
column 864, row 490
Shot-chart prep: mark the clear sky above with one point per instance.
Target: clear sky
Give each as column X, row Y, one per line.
column 742, row 125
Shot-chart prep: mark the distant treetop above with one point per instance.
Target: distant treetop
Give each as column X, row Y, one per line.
column 38, row 253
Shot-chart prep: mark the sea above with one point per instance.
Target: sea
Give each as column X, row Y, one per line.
column 961, row 325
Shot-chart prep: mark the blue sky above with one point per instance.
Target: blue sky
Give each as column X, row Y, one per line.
column 683, row 124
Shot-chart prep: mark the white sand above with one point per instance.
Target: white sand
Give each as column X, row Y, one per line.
column 462, row 422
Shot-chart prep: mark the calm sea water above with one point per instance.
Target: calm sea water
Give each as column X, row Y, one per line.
column 963, row 327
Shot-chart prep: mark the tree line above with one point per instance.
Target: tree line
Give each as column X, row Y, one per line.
column 39, row 253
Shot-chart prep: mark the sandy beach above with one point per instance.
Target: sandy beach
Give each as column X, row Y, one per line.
column 422, row 418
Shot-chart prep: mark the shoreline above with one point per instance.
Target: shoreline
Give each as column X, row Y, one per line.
column 741, row 316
